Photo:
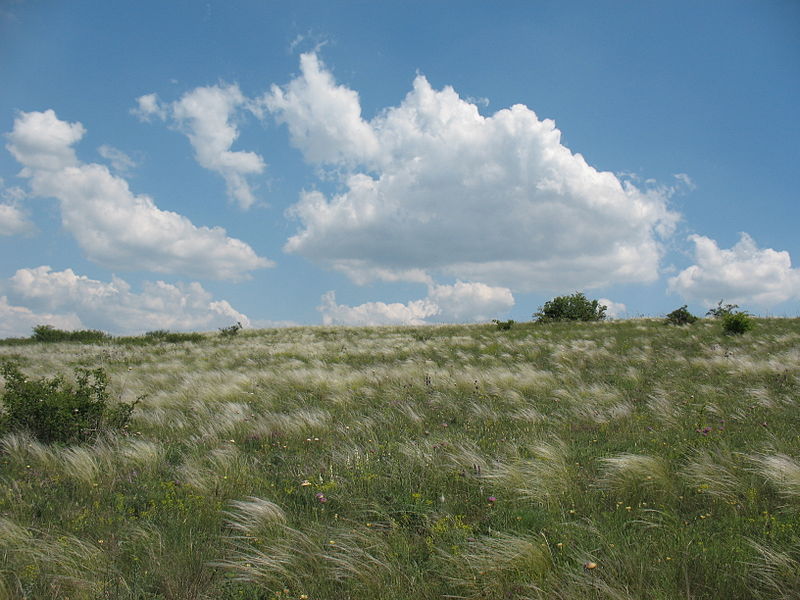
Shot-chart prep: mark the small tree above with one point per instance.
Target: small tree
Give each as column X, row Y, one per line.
column 680, row 316
column 720, row 310
column 230, row 331
column 576, row 307
column 504, row 325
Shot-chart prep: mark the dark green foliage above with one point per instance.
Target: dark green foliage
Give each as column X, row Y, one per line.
column 230, row 331
column 737, row 323
column 162, row 335
column 48, row 333
column 680, row 316
column 53, row 410
column 576, row 307
column 720, row 310
column 504, row 325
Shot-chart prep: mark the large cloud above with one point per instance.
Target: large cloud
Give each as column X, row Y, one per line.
column 67, row 300
column 206, row 116
column 743, row 274
column 432, row 186
column 444, row 304
column 113, row 226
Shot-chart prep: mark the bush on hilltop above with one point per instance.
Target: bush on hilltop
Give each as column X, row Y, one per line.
column 576, row 307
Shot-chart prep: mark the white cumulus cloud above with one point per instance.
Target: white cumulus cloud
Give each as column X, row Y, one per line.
column 324, row 119
column 459, row 302
column 614, row 310
column 206, row 115
column 743, row 274
column 431, row 186
column 13, row 220
column 375, row 313
column 470, row 301
column 115, row 227
column 69, row 301
column 19, row 321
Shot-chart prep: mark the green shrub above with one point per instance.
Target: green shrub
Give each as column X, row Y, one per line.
column 680, row 316
column 737, row 323
column 504, row 325
column 570, row 308
column 162, row 335
column 53, row 410
column 230, row 331
column 720, row 310
column 48, row 333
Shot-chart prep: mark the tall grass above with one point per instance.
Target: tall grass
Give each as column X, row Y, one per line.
column 572, row 461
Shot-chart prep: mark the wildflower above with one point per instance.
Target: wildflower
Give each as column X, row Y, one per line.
column 321, row 497
column 589, row 566
column 492, row 499
column 305, row 483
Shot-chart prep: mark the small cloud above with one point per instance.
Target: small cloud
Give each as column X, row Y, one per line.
column 481, row 101
column 686, row 181
column 743, row 274
column 310, row 40
column 13, row 220
column 614, row 310
column 149, row 106
column 457, row 303
column 120, row 162
column 375, row 313
column 207, row 116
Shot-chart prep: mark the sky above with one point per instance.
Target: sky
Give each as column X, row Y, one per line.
column 185, row 165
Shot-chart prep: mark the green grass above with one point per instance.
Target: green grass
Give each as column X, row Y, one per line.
column 359, row 463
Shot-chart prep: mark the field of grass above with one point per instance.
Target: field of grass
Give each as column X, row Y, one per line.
column 620, row 460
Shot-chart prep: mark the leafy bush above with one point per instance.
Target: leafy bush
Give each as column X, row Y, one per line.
column 53, row 410
column 504, row 325
column 162, row 335
column 48, row 333
column 571, row 308
column 158, row 337
column 230, row 331
column 720, row 310
column 737, row 323
column 680, row 316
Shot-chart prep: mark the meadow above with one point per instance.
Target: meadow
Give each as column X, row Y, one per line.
column 615, row 460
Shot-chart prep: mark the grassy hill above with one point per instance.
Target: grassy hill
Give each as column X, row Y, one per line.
column 602, row 460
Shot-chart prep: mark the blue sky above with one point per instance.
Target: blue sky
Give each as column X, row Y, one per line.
column 185, row 164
